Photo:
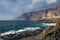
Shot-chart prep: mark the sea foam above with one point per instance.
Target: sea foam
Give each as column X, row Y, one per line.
column 29, row 28
column 7, row 33
column 49, row 24
column 21, row 30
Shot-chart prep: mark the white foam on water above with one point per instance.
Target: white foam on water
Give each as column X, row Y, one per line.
column 49, row 24
column 7, row 33
column 29, row 28
column 32, row 28
column 21, row 30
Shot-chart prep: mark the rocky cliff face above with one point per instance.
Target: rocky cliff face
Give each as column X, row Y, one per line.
column 49, row 13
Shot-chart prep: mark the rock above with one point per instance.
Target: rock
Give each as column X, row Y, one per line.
column 42, row 14
column 21, row 35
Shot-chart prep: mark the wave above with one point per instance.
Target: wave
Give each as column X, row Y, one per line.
column 49, row 24
column 29, row 28
column 25, row 29
column 21, row 30
column 7, row 33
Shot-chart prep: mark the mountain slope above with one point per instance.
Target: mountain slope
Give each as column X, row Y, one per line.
column 49, row 13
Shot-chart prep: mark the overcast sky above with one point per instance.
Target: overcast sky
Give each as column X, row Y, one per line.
column 10, row 9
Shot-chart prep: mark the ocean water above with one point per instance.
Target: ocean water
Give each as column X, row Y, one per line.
column 14, row 25
column 8, row 25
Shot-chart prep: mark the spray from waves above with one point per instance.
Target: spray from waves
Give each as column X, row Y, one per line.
column 49, row 24
column 29, row 28
column 21, row 30
column 7, row 33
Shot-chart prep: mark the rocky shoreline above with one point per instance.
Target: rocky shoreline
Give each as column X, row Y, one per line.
column 52, row 33
column 21, row 35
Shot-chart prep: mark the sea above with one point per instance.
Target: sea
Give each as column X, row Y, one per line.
column 15, row 25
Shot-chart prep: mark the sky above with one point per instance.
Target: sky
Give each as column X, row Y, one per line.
column 10, row 9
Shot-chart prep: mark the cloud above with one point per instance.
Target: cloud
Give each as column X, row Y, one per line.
column 17, row 7
column 32, row 5
column 11, row 7
column 40, row 3
column 51, row 1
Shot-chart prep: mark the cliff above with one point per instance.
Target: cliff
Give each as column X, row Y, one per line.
column 43, row 14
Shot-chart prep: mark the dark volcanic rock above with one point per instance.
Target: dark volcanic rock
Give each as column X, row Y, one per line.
column 21, row 35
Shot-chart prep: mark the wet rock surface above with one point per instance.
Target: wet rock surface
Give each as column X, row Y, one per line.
column 21, row 35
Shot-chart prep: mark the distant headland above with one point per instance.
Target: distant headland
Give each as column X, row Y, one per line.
column 43, row 14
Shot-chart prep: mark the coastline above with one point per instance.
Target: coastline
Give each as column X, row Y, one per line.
column 26, row 33
column 21, row 35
